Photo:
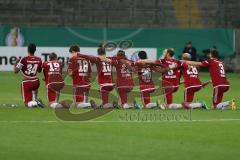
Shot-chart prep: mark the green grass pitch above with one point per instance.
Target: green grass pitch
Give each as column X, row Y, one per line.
column 27, row 134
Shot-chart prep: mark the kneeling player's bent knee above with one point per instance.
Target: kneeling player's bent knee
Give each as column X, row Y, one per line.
column 123, row 94
column 218, row 94
column 28, row 89
column 52, row 95
column 81, row 93
column 189, row 93
column 106, row 88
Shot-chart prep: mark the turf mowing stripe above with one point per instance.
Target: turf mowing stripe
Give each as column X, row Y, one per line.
column 205, row 120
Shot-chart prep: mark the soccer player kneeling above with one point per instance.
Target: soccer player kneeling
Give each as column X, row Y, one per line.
column 170, row 78
column 192, row 83
column 146, row 84
column 218, row 77
column 30, row 66
column 104, row 72
column 80, row 70
column 54, row 82
column 124, row 80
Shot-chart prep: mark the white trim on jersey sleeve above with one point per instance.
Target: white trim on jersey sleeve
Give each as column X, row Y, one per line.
column 19, row 65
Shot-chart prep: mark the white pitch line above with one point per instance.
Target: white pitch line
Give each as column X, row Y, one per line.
column 215, row 120
column 200, row 120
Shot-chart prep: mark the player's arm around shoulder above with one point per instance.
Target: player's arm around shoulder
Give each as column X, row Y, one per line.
column 193, row 63
column 129, row 64
column 105, row 59
column 160, row 69
column 134, row 66
column 91, row 58
column 146, row 61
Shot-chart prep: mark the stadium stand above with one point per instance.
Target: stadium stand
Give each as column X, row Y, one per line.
column 121, row 13
column 220, row 13
column 187, row 13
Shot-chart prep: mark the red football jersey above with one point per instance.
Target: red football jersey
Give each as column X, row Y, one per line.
column 104, row 69
column 145, row 76
column 29, row 66
column 217, row 71
column 81, row 70
column 53, row 71
column 104, row 72
column 190, row 75
column 124, row 75
column 171, row 77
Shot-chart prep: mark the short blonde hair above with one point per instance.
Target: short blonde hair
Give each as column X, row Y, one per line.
column 186, row 56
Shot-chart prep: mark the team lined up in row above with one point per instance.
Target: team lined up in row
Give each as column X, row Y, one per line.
column 79, row 68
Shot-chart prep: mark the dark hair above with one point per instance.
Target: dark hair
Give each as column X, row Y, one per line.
column 121, row 54
column 52, row 56
column 214, row 53
column 74, row 48
column 102, row 45
column 142, row 55
column 171, row 52
column 101, row 51
column 31, row 48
